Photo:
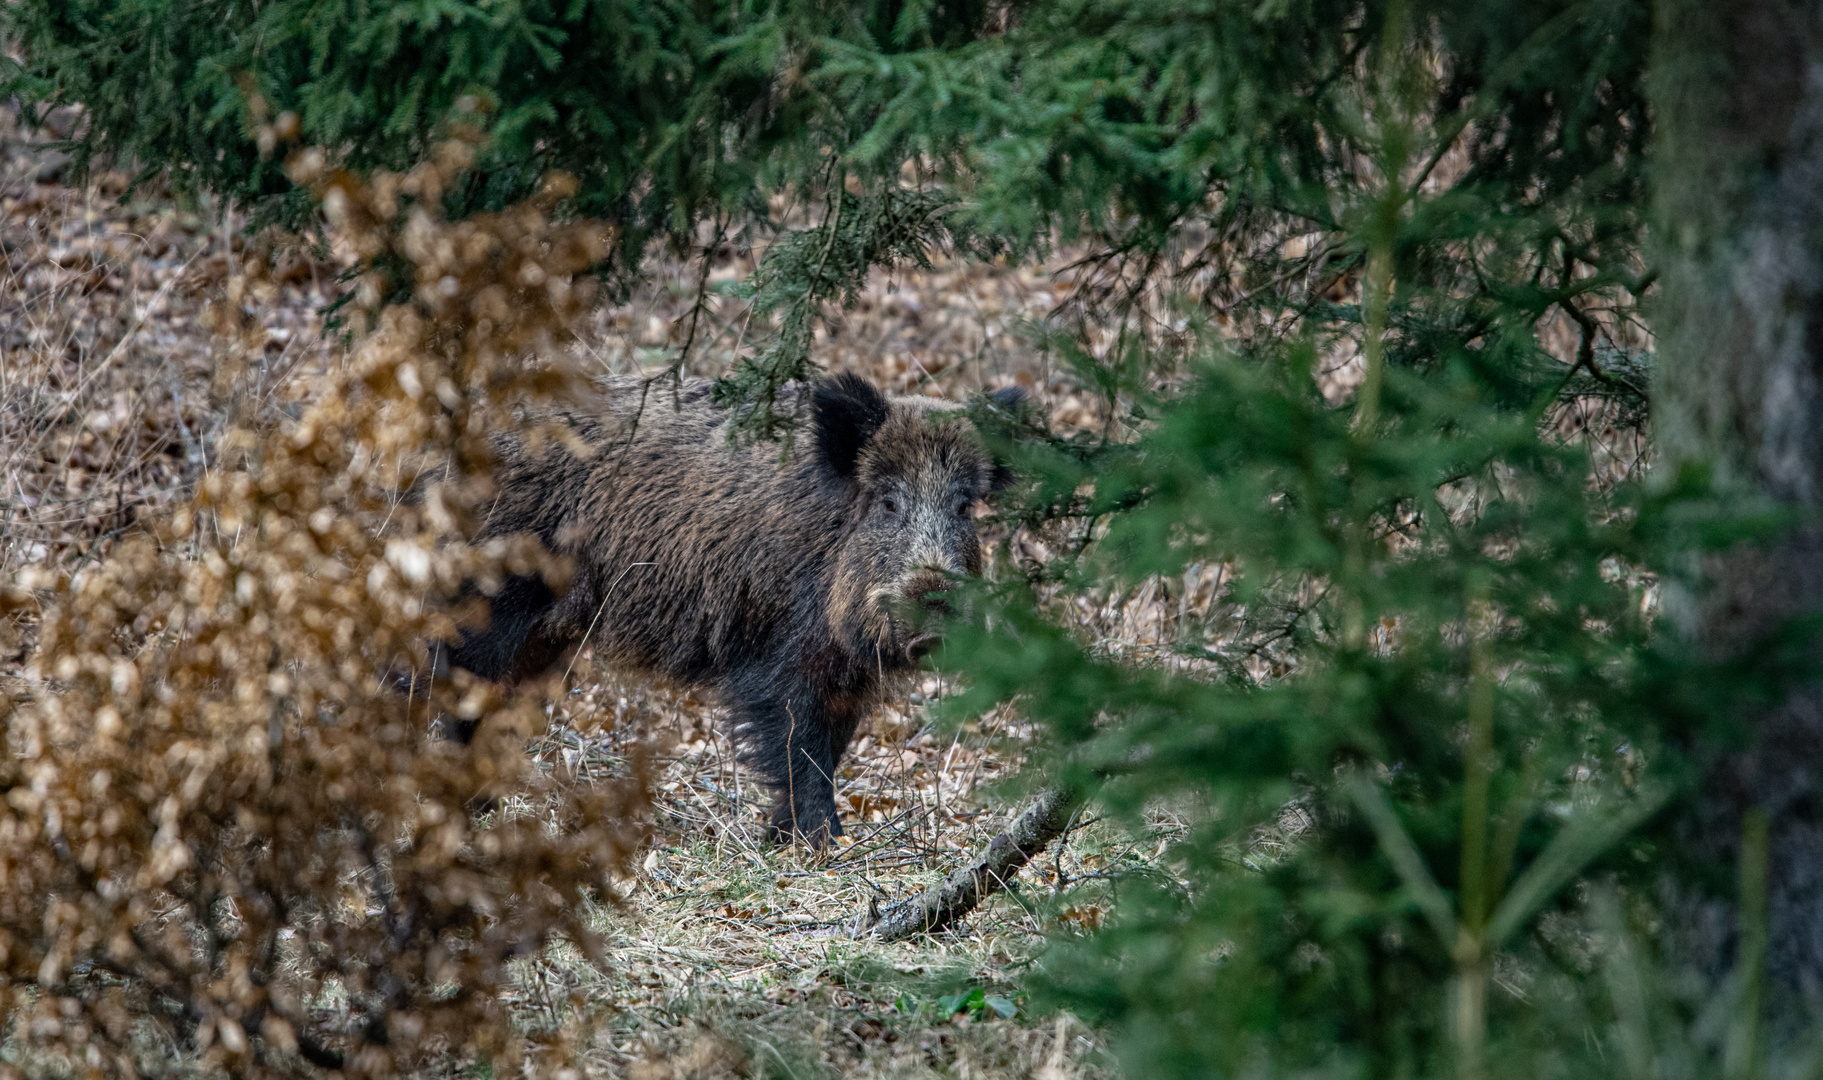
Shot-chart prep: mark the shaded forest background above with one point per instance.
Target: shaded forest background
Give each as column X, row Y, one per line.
column 1412, row 569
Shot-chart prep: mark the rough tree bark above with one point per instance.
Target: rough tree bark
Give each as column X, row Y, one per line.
column 1738, row 99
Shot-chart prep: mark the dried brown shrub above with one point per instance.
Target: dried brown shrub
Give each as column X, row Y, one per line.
column 221, row 816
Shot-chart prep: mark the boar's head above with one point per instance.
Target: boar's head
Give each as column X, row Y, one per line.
column 913, row 471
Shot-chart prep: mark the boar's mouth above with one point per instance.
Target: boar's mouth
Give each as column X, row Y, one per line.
column 917, row 636
column 920, row 646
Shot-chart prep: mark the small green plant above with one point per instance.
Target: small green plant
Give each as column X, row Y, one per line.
column 974, row 1002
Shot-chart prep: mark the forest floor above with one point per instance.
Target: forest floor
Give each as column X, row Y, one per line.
column 728, row 956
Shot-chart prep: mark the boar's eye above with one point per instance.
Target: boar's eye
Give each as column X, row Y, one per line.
column 962, row 507
column 891, row 504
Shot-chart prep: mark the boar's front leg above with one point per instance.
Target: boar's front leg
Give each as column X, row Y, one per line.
column 794, row 743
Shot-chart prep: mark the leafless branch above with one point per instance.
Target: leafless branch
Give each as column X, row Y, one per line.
column 940, row 906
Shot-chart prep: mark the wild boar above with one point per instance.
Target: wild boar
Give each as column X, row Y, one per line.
column 783, row 584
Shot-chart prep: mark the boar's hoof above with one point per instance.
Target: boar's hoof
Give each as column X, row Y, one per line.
column 817, row 834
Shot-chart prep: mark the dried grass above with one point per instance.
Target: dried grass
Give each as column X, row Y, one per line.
column 725, row 942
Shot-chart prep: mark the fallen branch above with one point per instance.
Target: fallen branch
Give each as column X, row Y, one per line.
column 938, row 907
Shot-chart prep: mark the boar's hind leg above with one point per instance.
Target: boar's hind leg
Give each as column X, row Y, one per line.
column 795, row 748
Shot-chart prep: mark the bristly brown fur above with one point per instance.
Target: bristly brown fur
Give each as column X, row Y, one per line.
column 780, row 584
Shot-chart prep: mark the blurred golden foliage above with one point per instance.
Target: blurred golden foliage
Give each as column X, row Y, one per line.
column 222, row 815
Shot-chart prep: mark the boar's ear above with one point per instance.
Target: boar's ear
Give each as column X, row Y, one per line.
column 846, row 412
column 1001, row 478
column 1012, row 399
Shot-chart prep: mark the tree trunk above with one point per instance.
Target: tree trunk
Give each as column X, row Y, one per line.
column 1738, row 101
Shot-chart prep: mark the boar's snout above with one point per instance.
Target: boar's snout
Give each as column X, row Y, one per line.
column 929, row 590
column 927, row 594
